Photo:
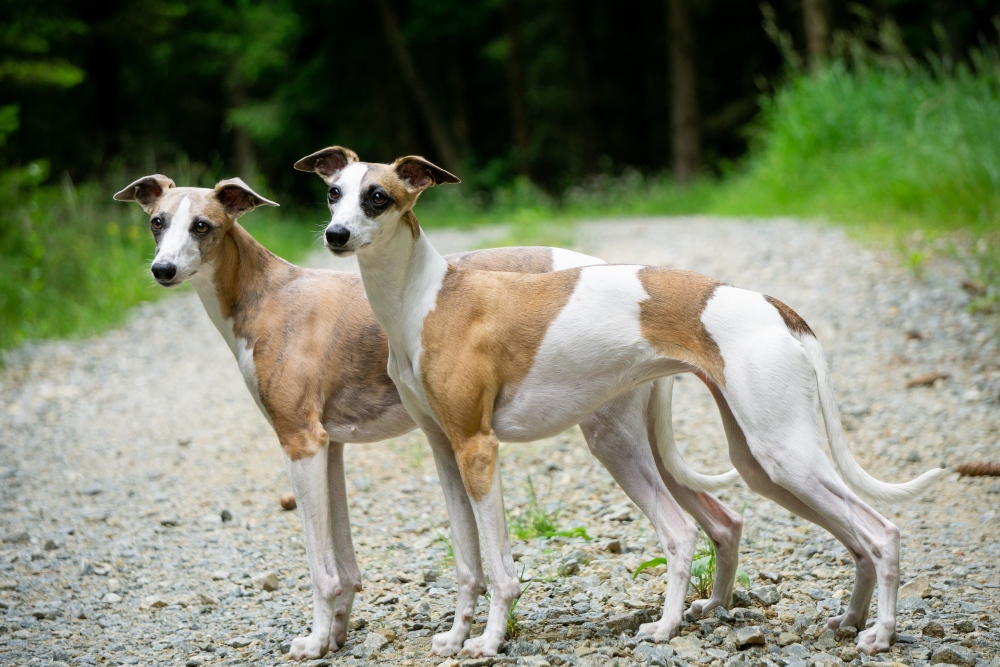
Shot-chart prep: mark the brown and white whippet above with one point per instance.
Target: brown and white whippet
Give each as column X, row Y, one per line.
column 478, row 357
column 314, row 359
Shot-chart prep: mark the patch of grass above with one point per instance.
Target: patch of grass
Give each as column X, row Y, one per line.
column 445, row 541
column 534, row 520
column 703, row 567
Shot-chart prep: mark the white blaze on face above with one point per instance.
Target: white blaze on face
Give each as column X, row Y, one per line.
column 177, row 245
column 347, row 211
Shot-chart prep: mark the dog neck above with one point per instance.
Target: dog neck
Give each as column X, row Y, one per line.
column 233, row 285
column 402, row 279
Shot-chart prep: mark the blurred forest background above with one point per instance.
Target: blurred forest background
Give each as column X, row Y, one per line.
column 881, row 114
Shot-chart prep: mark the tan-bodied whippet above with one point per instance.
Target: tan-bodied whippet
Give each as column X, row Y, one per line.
column 314, row 359
column 478, row 357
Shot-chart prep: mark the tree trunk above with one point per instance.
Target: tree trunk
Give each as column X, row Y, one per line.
column 516, row 88
column 587, row 127
column 244, row 154
column 438, row 129
column 816, row 14
column 685, row 120
column 460, row 118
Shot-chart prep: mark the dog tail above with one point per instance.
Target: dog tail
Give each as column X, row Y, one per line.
column 664, row 430
column 854, row 475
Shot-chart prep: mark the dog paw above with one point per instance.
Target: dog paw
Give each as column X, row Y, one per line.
column 844, row 620
column 447, row 643
column 876, row 639
column 660, row 631
column 481, row 647
column 308, row 648
column 699, row 608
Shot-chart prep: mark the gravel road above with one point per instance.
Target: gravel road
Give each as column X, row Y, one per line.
column 139, row 486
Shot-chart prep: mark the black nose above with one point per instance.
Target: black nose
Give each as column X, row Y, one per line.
column 164, row 271
column 337, row 236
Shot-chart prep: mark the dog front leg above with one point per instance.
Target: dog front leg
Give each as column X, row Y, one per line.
column 465, row 543
column 343, row 545
column 309, row 476
column 478, row 463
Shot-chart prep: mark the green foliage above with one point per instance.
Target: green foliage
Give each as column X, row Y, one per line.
column 703, row 567
column 534, row 520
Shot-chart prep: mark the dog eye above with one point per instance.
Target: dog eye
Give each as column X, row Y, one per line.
column 334, row 194
column 156, row 224
column 379, row 199
column 201, row 227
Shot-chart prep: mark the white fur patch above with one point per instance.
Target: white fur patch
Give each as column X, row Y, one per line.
column 177, row 246
column 567, row 259
column 592, row 352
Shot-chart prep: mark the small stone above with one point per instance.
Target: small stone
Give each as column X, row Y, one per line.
column 207, row 600
column 788, row 638
column 953, row 654
column 750, row 635
column 630, row 620
column 59, row 653
column 287, row 502
column 21, row 537
column 152, row 602
column 111, row 598
column 965, row 625
column 114, row 585
column 239, row 642
column 170, row 521
column 849, row 654
column 765, row 595
column 386, row 599
column 723, row 615
column 106, row 621
column 220, row 575
column 8, row 584
column 914, row 605
column 918, row 587
column 827, row 639
column 86, row 567
column 375, row 642
column 568, row 567
column 773, row 577
column 846, row 632
column 266, row 581
column 613, row 546
column 653, row 654
column 50, row 545
column 741, row 599
column 450, row 662
column 358, row 623
column 226, row 516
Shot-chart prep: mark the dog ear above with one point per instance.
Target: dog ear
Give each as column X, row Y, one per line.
column 146, row 191
column 328, row 162
column 419, row 174
column 237, row 198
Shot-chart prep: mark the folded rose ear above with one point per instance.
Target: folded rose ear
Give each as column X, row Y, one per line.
column 418, row 174
column 328, row 162
column 237, row 198
column 146, row 191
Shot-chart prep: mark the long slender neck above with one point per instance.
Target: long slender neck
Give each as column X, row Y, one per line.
column 402, row 279
column 232, row 284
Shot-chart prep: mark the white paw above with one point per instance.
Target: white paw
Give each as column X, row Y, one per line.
column 660, row 631
column 448, row 643
column 308, row 648
column 876, row 639
column 481, row 646
column 699, row 608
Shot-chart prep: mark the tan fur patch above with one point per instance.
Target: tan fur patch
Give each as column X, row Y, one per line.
column 518, row 260
column 483, row 335
column 792, row 320
column 671, row 318
column 402, row 198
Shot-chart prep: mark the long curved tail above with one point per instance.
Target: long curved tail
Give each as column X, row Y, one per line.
column 853, row 474
column 664, row 429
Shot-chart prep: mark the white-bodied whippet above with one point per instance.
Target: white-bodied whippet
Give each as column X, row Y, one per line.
column 314, row 359
column 478, row 357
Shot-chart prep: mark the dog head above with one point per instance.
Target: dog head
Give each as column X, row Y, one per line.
column 189, row 224
column 370, row 201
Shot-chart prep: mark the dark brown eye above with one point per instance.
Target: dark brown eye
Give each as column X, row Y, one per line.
column 334, row 194
column 156, row 224
column 380, row 199
column 201, row 227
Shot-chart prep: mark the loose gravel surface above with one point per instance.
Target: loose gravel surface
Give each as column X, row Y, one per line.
column 139, row 489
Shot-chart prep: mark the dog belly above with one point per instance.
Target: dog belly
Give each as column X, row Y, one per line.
column 541, row 408
column 391, row 424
